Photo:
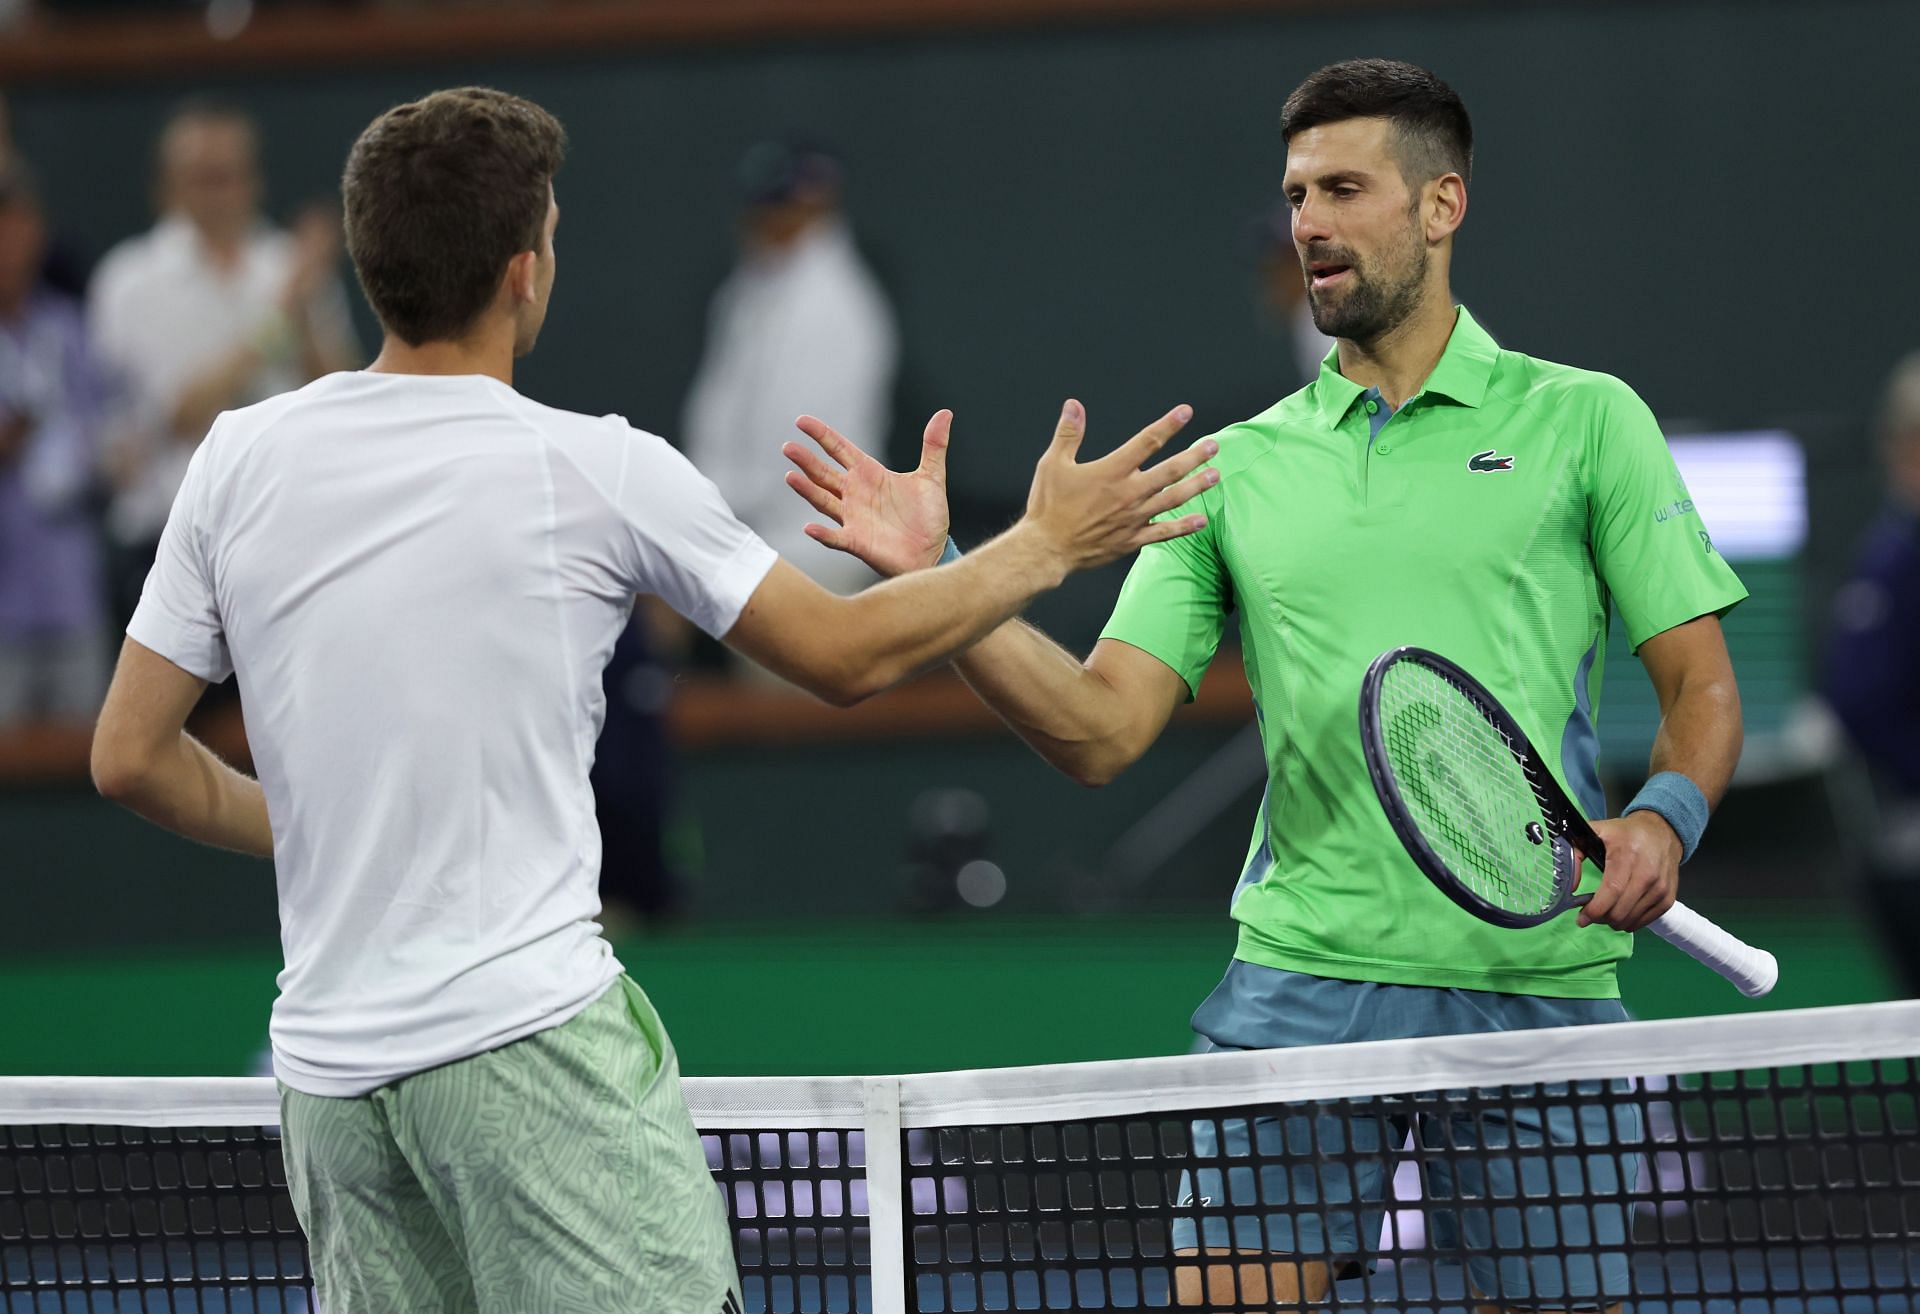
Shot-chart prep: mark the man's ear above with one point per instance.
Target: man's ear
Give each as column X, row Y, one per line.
column 520, row 283
column 1446, row 206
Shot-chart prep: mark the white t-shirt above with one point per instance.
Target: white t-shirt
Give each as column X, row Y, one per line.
column 418, row 581
column 162, row 313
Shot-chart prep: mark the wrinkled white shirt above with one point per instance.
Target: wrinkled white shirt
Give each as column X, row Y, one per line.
column 418, row 581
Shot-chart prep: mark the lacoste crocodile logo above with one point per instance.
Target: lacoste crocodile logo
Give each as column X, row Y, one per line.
column 1486, row 462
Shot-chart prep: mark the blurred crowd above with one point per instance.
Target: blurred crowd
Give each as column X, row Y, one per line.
column 108, row 385
column 110, row 380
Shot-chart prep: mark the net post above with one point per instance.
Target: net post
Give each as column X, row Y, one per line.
column 886, row 1198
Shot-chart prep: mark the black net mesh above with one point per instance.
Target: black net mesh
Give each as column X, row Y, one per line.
column 137, row 1219
column 1794, row 1188
column 798, row 1201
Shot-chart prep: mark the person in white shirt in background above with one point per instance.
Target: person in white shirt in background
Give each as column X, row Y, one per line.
column 211, row 309
column 801, row 325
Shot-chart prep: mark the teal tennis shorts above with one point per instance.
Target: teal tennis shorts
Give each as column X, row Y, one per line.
column 1314, row 1184
column 558, row 1173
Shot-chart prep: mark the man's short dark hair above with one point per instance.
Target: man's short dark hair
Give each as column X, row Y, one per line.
column 1432, row 133
column 440, row 194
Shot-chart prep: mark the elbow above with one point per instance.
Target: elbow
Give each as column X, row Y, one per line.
column 850, row 682
column 1092, row 765
column 835, row 693
column 854, row 688
column 1095, row 775
column 1090, row 776
column 119, row 777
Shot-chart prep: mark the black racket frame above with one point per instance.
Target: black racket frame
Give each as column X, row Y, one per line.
column 1561, row 818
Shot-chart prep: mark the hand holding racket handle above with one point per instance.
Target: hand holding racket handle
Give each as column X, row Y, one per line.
column 1483, row 817
column 1752, row 971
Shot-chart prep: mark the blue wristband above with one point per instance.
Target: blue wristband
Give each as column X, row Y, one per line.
column 1679, row 802
column 951, row 554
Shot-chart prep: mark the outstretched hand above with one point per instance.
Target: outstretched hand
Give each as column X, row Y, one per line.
column 1091, row 512
column 1097, row 511
column 895, row 522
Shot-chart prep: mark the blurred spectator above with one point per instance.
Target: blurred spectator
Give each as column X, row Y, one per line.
column 59, row 268
column 53, row 660
column 1283, row 286
column 801, row 326
column 210, row 310
column 1873, row 671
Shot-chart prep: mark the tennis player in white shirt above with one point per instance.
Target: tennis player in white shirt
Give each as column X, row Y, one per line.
column 417, row 575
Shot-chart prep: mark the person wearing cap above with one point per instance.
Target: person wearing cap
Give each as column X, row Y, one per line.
column 800, row 325
column 53, row 658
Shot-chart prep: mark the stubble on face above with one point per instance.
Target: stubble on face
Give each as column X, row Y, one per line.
column 1381, row 293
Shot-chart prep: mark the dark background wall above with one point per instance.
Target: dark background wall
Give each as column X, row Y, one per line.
column 1713, row 201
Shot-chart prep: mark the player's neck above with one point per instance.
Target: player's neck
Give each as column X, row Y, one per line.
column 491, row 355
column 1399, row 361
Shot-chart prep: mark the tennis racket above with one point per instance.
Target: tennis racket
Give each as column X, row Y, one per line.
column 1483, row 817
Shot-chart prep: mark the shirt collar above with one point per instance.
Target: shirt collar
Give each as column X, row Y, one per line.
column 1461, row 375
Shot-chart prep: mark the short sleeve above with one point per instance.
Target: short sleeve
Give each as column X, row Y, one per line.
column 178, row 616
column 1176, row 599
column 1655, row 555
column 683, row 542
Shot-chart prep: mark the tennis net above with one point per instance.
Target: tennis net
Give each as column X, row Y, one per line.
column 1707, row 1166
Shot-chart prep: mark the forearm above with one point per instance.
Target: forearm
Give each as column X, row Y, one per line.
column 1700, row 735
column 1063, row 709
column 910, row 624
column 193, row 793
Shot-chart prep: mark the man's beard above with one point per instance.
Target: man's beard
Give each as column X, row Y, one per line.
column 1372, row 305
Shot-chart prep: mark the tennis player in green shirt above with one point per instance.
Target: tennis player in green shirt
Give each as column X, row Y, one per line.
column 1432, row 488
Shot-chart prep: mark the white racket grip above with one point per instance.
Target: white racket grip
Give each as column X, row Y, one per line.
column 1753, row 971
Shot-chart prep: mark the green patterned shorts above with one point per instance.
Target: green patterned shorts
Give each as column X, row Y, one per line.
column 558, row 1173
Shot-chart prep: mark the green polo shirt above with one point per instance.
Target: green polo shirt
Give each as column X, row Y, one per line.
column 1500, row 517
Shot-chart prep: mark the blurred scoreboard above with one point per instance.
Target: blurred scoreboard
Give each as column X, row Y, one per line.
column 1751, row 492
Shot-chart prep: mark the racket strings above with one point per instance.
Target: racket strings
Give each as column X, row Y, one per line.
column 1461, row 780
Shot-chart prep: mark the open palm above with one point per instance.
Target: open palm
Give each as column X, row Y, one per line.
column 895, row 522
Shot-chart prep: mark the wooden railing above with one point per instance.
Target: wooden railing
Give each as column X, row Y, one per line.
column 176, row 43
column 707, row 712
